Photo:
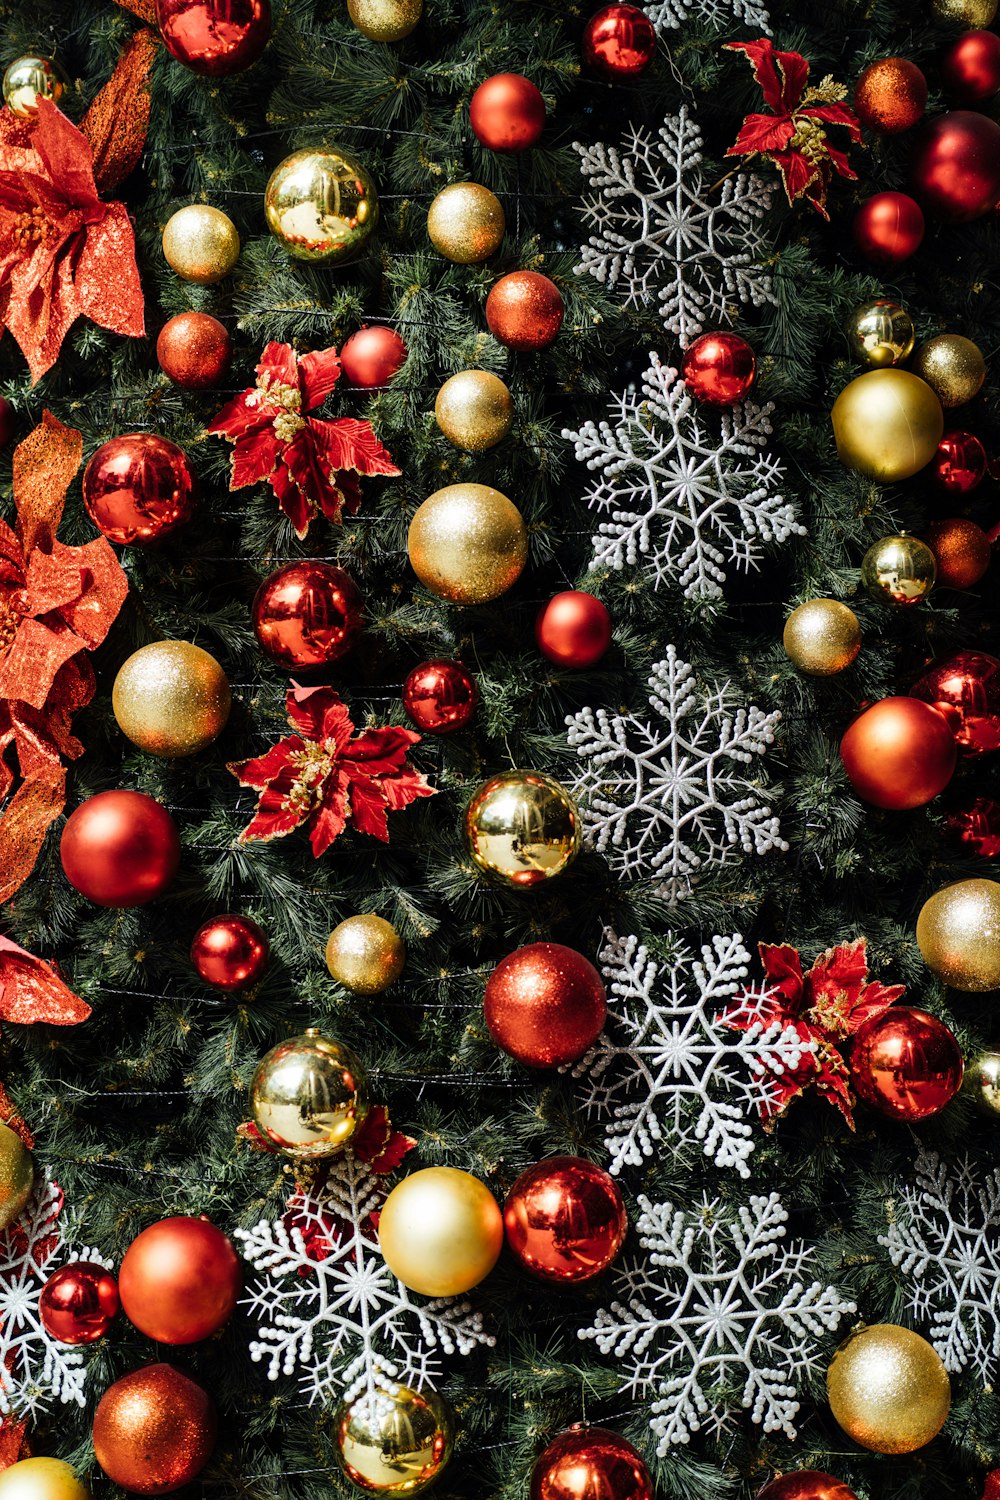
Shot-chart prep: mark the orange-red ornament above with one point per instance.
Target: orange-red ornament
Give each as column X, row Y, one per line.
column 906, row 1063
column 179, row 1280
column 545, row 1005
column 889, row 228
column 154, row 1430
column 965, row 689
column 79, row 1303
column 565, row 1219
column 899, row 753
column 138, row 488
column 372, row 356
column 720, row 369
column 507, row 113
column 524, row 310
column 959, row 464
column 440, row 696
column 307, row 614
column 890, row 95
column 970, row 69
column 961, row 550
column 574, row 629
column 619, row 42
column 120, row 848
column 806, row 1484
column 586, row 1462
column 214, row 37
column 230, row 952
column 194, row 350
column 955, row 166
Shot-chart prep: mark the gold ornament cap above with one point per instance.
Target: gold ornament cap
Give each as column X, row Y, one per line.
column 881, row 333
column 887, row 424
column 466, row 223
column 474, row 410
column 822, row 637
column 899, row 570
column 201, row 243
column 321, row 205
column 958, row 934
column 523, row 827
column 395, row 1446
column 309, row 1095
column 441, row 1231
column 171, row 699
column 17, row 1176
column 953, row 366
column 385, row 20
column 26, row 80
column 468, row 543
column 41, row 1479
column 888, row 1389
column 365, row 954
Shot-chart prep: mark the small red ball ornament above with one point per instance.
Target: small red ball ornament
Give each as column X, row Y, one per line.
column 962, row 552
column 524, row 310
column 8, row 422
column 565, row 1219
column 905, row 1063
column 806, row 1484
column 372, row 356
column 79, row 1303
column 120, row 849
column 955, row 167
column 889, row 228
column 307, row 614
column 179, row 1280
column 586, row 1462
column 545, row 1005
column 898, row 757
column 574, row 629
column 230, row 952
column 138, row 487
column 507, row 113
column 154, row 1430
column 619, row 42
column 976, row 826
column 440, row 696
column 970, row 69
column 965, row 690
column 959, row 463
column 214, row 37
column 719, row 369
column 890, row 95
column 194, row 350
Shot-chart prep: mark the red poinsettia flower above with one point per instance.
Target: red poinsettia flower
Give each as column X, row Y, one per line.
column 794, row 135
column 311, row 465
column 31, row 990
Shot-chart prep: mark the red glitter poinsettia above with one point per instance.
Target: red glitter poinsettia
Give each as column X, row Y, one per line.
column 31, row 990
column 325, row 775
column 794, row 135
column 311, row 465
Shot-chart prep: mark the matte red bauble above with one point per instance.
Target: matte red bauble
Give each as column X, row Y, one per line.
column 574, row 629
column 138, row 487
column 890, row 95
column 180, row 1280
column 565, row 1219
column 120, row 849
column 507, row 113
column 889, row 228
column 962, row 552
column 959, row 463
column 545, row 1005
column 372, row 356
column 195, row 350
column 8, row 422
column 307, row 614
column 587, row 1462
column 440, row 696
column 719, row 369
column 524, row 310
column 230, row 952
column 806, row 1484
column 955, row 167
column 965, row 689
column 154, row 1430
column 215, row 37
column 898, row 757
column 905, row 1063
column 976, row 826
column 79, row 1303
column 970, row 69
column 619, row 42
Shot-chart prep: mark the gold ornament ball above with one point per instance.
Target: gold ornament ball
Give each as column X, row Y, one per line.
column 41, row 1479
column 466, row 223
column 522, row 827
column 952, row 366
column 887, row 424
column 321, row 205
column 888, row 1389
column 474, row 410
column 958, row 934
column 171, row 699
column 395, row 1446
column 822, row 637
column 385, row 20
column 971, row 15
column 26, row 79
column 881, row 333
column 441, row 1231
column 17, row 1176
column 365, row 954
column 201, row 243
column 468, row 543
column 899, row 569
column 309, row 1095
column 980, row 1083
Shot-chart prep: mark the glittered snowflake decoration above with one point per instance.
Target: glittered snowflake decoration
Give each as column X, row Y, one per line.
column 667, row 800
column 683, row 494
column 664, row 234
column 721, row 1314
column 670, row 15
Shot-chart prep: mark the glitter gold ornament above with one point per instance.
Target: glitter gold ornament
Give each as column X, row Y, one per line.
column 899, row 569
column 822, row 637
column 890, row 95
column 522, row 827
column 394, row 1446
column 468, row 543
column 887, row 424
column 981, row 1084
column 958, row 934
column 385, row 20
column 466, row 223
column 888, row 1389
column 961, row 550
column 881, row 333
column 309, row 1095
column 41, row 1479
column 440, row 1231
column 171, row 699
column 321, row 205
column 17, row 1175
column 201, row 243
column 965, row 13
column 27, row 79
column 952, row 366
column 365, row 954
column 154, row 1430
column 474, row 410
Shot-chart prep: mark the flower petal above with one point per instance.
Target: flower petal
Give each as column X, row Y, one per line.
column 107, row 277
column 318, row 374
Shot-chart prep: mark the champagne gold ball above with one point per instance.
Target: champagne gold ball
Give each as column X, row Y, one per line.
column 981, row 1084
column 958, row 934
column 17, row 1176
column 441, row 1231
column 171, row 699
column 41, row 1479
column 888, row 1389
column 309, row 1095
column 973, row 15
column 321, row 205
column 201, row 244
column 466, row 223
column 881, row 333
column 474, row 410
column 27, row 79
column 385, row 20
column 952, row 366
column 899, row 569
column 394, row 1446
column 522, row 827
column 365, row 954
column 468, row 543
column 822, row 637
column 887, row 424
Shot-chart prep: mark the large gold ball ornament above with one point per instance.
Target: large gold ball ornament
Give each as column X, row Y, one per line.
column 881, row 333
column 395, row 1446
column 980, row 1083
column 41, row 1479
column 899, row 569
column 522, row 827
column 309, row 1095
column 887, row 424
column 171, row 699
column 321, row 205
column 17, row 1176
column 958, row 934
column 970, row 14
column 441, row 1231
column 822, row 637
column 365, row 954
column 468, row 543
column 26, row 80
column 888, row 1389
column 474, row 410
column 201, row 243
column 953, row 366
column 466, row 223
column 385, row 20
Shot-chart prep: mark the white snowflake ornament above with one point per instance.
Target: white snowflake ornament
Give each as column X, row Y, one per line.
column 670, row 15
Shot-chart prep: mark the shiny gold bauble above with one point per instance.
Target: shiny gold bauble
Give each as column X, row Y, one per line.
column 41, row 1479
column 17, row 1176
column 888, row 1389
column 201, row 243
column 365, row 954
column 468, row 543
column 395, row 1446
column 474, row 410
column 171, row 699
column 881, row 333
column 321, row 205
column 822, row 637
column 899, row 569
column 952, row 366
column 887, row 424
column 523, row 827
column 385, row 20
column 466, row 223
column 972, row 15
column 27, row 79
column 309, row 1095
column 441, row 1231
column 958, row 934
column 980, row 1083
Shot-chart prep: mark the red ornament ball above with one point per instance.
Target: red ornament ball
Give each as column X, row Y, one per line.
column 440, row 696
column 372, row 356
column 565, row 1219
column 962, row 552
column 120, row 849
column 905, row 1063
column 307, row 614
column 138, row 488
column 507, row 113
column 719, row 369
column 179, row 1280
column 524, row 310
column 965, row 689
column 194, row 350
column 574, row 629
column 889, row 228
column 230, row 952
column 806, row 1484
column 590, row 1461
column 619, row 42
column 79, row 1303
column 970, row 69
column 8, row 422
column 545, row 1005
column 214, row 37
column 154, row 1430
column 959, row 464
column 898, row 757
column 976, row 826
column 955, row 167
column 890, row 95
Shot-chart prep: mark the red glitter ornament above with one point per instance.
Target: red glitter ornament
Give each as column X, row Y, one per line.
column 897, row 755
column 195, row 350
column 977, row 826
column 440, row 696
column 120, row 849
column 961, row 550
column 179, row 1280
column 372, row 356
column 959, row 463
column 79, row 1303
column 719, row 369
column 545, row 1005
column 955, row 167
column 906, row 1063
column 965, row 689
column 890, row 95
column 230, row 952
column 138, row 488
column 590, row 1461
column 307, row 614
column 574, row 629
column 565, row 1219
column 889, row 228
column 970, row 69
column 154, row 1430
column 507, row 113
column 8, row 422
column 524, row 310
column 806, row 1484
column 215, row 37
column 619, row 42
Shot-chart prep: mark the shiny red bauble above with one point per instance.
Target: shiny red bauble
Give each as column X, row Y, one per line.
column 180, row 1280
column 976, row 826
column 959, row 464
column 372, row 356
column 230, row 952
column 138, row 487
column 719, row 369
column 307, row 614
column 806, row 1484
column 619, row 42
column 79, row 1303
column 955, row 166
column 970, row 69
column 545, row 1005
column 590, row 1462
column 194, row 350
column 507, row 113
column 905, row 1063
column 8, row 422
column 565, row 1219
column 574, row 629
column 440, row 696
column 899, row 753
column 889, row 228
column 965, row 689
column 120, row 849
column 154, row 1430
column 214, row 37
column 524, row 310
